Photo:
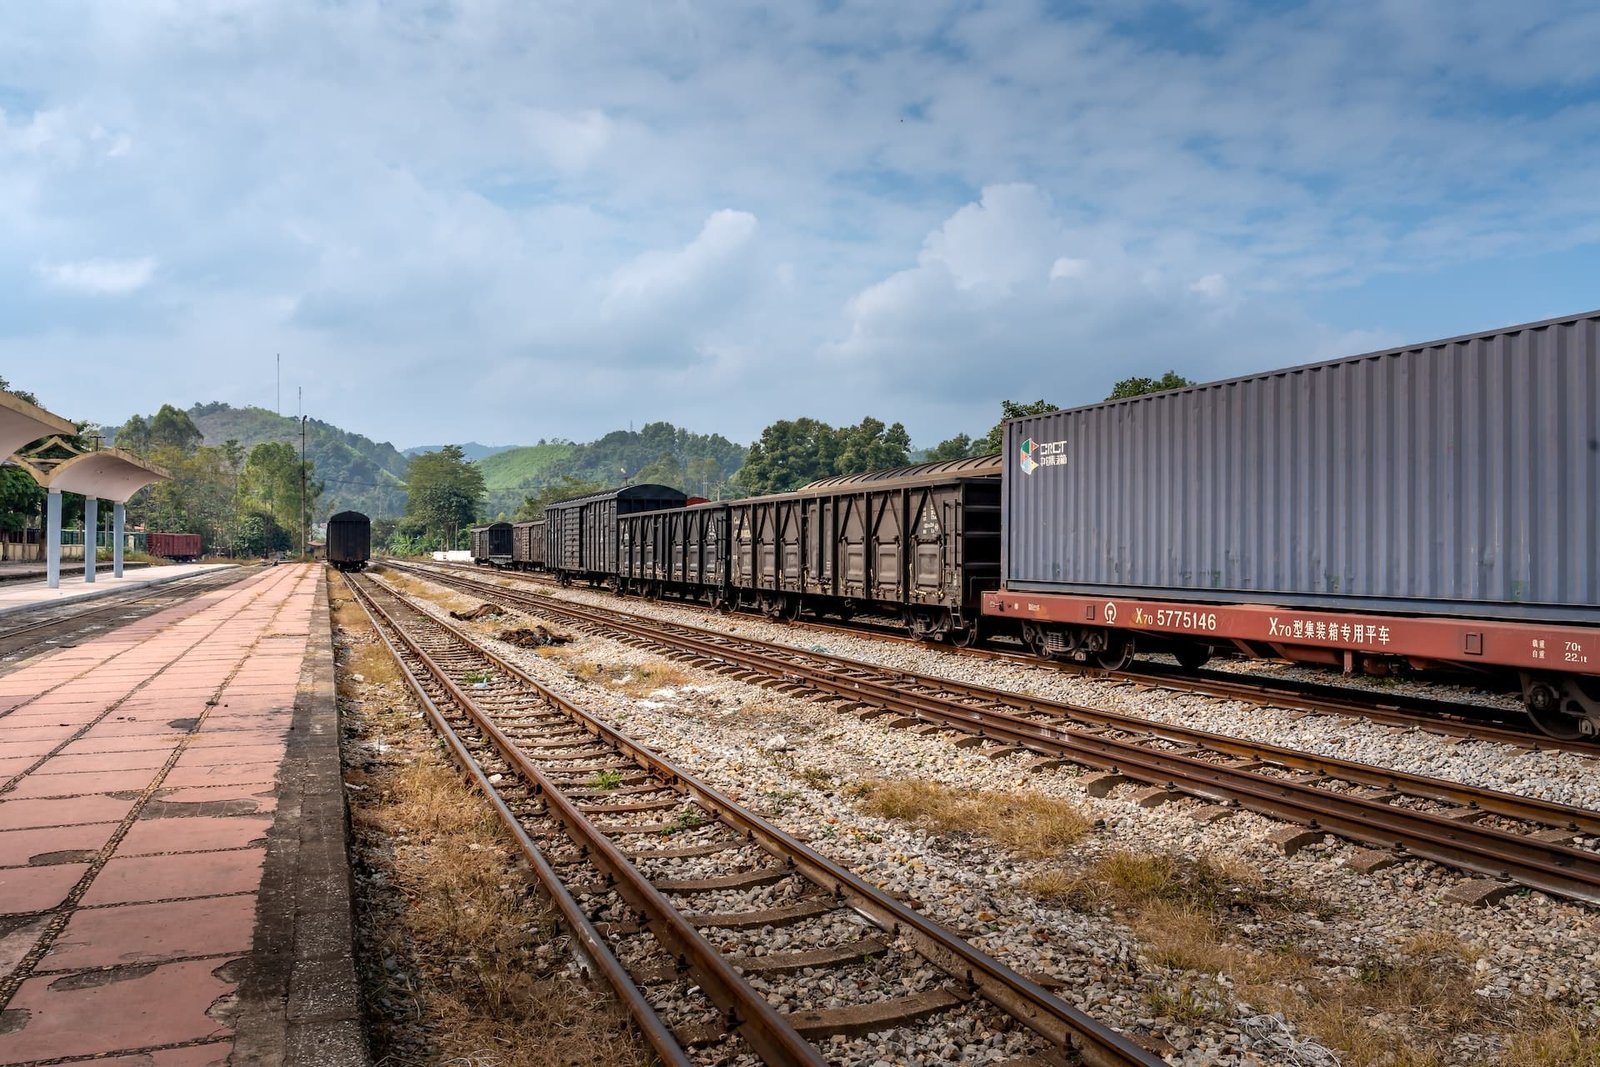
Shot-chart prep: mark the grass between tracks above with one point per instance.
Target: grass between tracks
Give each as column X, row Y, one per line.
column 458, row 958
column 1226, row 936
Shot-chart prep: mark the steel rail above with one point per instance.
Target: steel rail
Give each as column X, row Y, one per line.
column 592, row 947
column 1479, row 722
column 1556, row 869
column 1023, row 999
column 749, row 1015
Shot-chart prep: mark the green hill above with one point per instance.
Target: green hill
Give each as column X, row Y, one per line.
column 360, row 474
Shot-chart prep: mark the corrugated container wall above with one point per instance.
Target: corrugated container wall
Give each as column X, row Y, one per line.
column 1463, row 470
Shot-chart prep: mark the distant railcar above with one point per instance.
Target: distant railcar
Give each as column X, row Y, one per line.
column 182, row 547
column 527, row 545
column 349, row 541
column 491, row 545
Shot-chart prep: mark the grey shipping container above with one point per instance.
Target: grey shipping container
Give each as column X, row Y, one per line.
column 1456, row 477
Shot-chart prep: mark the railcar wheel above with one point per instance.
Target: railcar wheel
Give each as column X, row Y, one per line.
column 1553, row 716
column 964, row 636
column 1117, row 654
column 1192, row 657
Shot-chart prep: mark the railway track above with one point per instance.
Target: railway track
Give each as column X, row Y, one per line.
column 670, row 890
column 52, row 626
column 1480, row 722
column 1516, row 840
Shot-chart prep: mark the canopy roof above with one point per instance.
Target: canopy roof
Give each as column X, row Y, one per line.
column 110, row 474
column 21, row 422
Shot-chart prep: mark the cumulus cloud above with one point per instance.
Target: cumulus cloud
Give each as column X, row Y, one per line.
column 101, row 277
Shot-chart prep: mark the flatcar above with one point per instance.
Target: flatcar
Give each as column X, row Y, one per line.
column 527, row 545
column 1433, row 505
column 349, row 544
column 491, row 544
column 181, row 547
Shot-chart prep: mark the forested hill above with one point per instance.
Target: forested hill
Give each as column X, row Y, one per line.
column 359, row 474
column 701, row 464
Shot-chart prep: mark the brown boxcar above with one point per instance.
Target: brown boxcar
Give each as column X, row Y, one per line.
column 184, row 547
column 527, row 545
column 581, row 532
column 491, row 544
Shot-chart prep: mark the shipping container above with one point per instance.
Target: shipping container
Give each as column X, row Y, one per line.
column 349, row 541
column 1456, row 477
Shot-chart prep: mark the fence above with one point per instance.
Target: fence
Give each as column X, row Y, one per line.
column 28, row 545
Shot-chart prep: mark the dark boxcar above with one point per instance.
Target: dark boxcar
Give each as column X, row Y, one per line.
column 491, row 544
column 184, row 547
column 680, row 551
column 581, row 532
column 527, row 545
column 922, row 542
column 349, row 541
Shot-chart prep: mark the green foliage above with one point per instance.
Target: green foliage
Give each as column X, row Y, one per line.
column 444, row 494
column 1136, row 386
column 958, row 447
column 358, row 474
column 533, row 504
column 699, row 464
column 21, row 499
column 995, row 441
column 791, row 453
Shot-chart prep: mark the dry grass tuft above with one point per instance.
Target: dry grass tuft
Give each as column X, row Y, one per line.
column 639, row 680
column 1032, row 824
column 1406, row 1007
column 460, row 963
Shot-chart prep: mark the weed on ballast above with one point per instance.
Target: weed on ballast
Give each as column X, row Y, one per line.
column 609, row 779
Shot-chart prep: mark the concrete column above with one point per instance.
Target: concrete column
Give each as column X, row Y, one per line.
column 91, row 535
column 52, row 544
column 118, row 513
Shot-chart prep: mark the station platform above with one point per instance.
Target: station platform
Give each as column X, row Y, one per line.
column 12, row 570
column 174, row 881
column 20, row 595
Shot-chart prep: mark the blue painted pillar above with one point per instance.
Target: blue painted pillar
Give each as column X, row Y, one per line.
column 91, row 536
column 118, row 513
column 52, row 544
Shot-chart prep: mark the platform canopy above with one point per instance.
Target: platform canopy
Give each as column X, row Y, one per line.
column 109, row 474
column 21, row 422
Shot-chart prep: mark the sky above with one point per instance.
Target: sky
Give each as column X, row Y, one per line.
column 464, row 220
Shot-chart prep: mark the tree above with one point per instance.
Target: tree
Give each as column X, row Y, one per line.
column 444, row 493
column 1137, row 386
column 533, row 504
column 171, row 428
column 789, row 454
column 872, row 446
column 995, row 441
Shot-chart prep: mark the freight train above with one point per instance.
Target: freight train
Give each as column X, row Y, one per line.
column 1428, row 506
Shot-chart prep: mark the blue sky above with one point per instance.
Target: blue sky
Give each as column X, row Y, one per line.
column 504, row 221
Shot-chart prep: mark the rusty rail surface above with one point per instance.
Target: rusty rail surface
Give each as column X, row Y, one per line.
column 768, row 1031
column 1075, row 734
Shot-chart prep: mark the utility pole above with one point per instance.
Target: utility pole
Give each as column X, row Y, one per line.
column 280, row 384
column 302, row 486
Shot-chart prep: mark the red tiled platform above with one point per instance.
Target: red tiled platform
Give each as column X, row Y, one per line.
column 140, row 775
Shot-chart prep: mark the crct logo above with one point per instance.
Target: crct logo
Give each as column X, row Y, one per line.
column 1029, row 464
column 1035, row 454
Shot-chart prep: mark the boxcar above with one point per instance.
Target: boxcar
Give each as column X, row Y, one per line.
column 1434, row 503
column 349, row 544
column 491, row 544
column 920, row 542
column 527, row 545
column 183, row 547
column 581, row 532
